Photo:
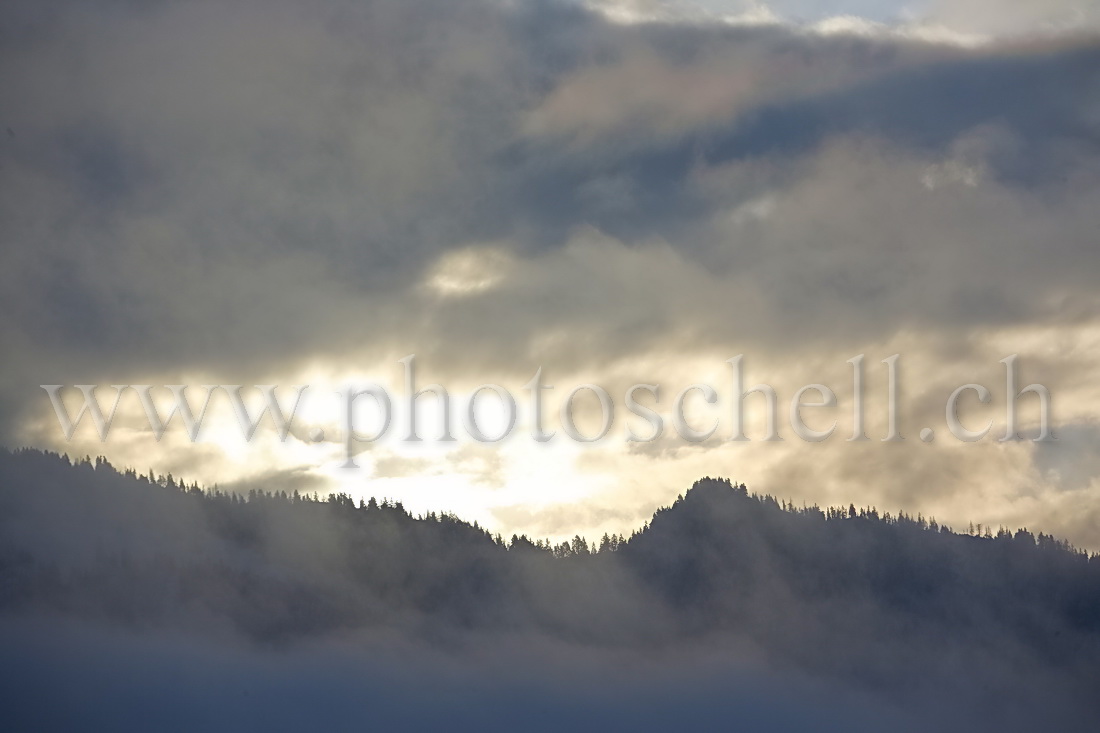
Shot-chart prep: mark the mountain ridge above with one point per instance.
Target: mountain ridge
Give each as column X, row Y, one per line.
column 892, row 606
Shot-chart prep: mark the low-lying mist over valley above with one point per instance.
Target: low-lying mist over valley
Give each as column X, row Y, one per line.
column 120, row 588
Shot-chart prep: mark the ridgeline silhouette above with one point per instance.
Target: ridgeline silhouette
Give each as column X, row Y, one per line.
column 890, row 603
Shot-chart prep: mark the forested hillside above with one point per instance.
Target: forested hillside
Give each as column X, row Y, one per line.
column 895, row 606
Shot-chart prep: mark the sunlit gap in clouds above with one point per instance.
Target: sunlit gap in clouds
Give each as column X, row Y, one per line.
column 963, row 23
column 559, row 486
column 469, row 271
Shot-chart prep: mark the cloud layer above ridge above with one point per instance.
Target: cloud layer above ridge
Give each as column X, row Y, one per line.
column 240, row 192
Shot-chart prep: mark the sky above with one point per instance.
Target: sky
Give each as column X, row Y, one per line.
column 616, row 193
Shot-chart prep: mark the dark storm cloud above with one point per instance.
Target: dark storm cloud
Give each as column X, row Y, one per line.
column 926, row 108
column 268, row 180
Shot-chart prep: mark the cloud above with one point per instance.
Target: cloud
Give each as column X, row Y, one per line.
column 247, row 195
column 220, row 686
